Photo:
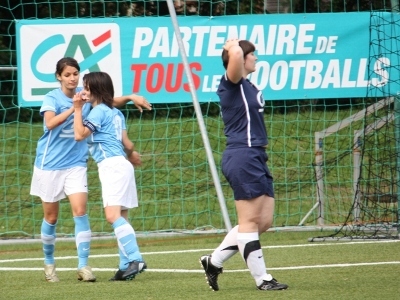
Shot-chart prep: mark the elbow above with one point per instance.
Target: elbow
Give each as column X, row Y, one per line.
column 236, row 52
column 78, row 137
column 237, row 57
column 50, row 126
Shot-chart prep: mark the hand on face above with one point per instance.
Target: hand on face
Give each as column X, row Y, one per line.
column 78, row 100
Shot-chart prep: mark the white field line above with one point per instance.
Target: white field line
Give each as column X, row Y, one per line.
column 225, row 271
column 207, row 251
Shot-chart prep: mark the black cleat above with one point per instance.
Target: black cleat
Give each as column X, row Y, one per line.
column 211, row 271
column 118, row 276
column 135, row 267
column 272, row 285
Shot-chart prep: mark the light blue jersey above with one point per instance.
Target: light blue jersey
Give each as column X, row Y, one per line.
column 106, row 125
column 57, row 148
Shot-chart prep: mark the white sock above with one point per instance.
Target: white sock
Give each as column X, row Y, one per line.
column 226, row 249
column 250, row 249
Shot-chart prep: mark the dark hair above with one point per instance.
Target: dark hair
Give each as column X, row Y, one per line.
column 66, row 61
column 247, row 48
column 100, row 86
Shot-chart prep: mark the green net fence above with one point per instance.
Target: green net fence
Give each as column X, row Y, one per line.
column 175, row 185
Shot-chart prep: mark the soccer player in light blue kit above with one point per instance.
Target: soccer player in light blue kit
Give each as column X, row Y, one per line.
column 109, row 145
column 60, row 167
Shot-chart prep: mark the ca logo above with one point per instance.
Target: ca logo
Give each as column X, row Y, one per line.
column 96, row 47
column 77, row 42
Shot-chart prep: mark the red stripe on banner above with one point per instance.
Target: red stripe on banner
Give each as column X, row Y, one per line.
column 105, row 36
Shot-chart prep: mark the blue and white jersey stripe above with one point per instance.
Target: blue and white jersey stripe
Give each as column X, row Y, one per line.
column 242, row 107
column 57, row 148
column 106, row 138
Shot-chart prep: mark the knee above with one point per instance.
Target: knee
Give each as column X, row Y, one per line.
column 51, row 219
column 262, row 229
column 264, row 226
column 50, row 213
column 249, row 224
column 79, row 211
column 111, row 218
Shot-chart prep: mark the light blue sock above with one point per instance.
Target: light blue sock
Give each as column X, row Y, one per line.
column 48, row 236
column 83, row 236
column 126, row 241
column 123, row 259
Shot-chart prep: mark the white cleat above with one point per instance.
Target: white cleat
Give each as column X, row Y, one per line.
column 50, row 273
column 85, row 274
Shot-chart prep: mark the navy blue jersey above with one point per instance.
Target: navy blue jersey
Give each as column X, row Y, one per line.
column 242, row 107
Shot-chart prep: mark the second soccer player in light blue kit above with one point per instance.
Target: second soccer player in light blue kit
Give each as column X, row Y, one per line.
column 109, row 145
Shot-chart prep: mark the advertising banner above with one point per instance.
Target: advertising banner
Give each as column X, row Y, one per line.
column 300, row 56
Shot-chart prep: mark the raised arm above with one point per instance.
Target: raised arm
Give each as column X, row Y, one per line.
column 235, row 70
column 139, row 101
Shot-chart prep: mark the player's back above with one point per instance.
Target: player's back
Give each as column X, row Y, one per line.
column 105, row 141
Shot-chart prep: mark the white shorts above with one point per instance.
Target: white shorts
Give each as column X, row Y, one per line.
column 117, row 177
column 53, row 186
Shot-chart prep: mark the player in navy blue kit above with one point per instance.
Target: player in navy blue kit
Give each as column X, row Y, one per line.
column 105, row 131
column 244, row 166
column 60, row 167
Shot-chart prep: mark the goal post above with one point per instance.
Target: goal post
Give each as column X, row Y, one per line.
column 397, row 133
column 358, row 136
column 319, row 157
column 200, row 119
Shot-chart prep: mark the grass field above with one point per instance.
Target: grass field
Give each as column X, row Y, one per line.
column 175, row 186
column 328, row 270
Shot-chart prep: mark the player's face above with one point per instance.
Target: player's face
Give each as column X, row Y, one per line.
column 86, row 96
column 250, row 62
column 69, row 78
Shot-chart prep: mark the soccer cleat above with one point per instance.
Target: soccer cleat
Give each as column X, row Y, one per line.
column 211, row 271
column 85, row 274
column 135, row 267
column 50, row 273
column 272, row 285
column 118, row 276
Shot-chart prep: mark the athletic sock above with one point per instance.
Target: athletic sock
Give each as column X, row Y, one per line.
column 226, row 249
column 123, row 258
column 48, row 236
column 83, row 236
column 250, row 249
column 126, row 240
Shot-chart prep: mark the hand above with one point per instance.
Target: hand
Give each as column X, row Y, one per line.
column 230, row 43
column 77, row 101
column 140, row 102
column 134, row 159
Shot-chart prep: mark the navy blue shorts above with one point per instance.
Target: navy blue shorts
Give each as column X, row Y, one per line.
column 247, row 172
